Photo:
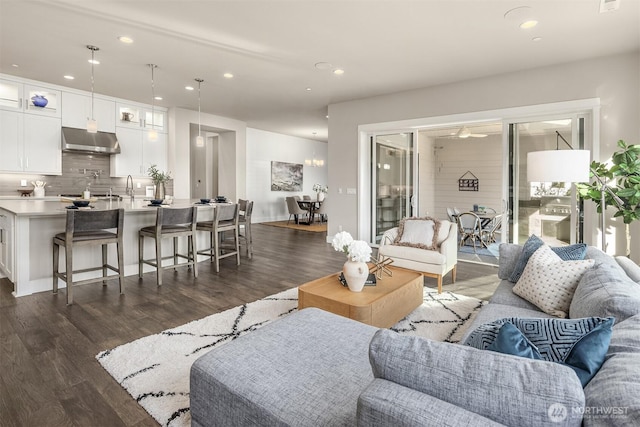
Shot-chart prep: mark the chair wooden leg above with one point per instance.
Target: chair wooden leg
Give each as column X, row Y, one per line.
column 158, row 240
column 192, row 244
column 236, row 236
column 140, row 254
column 104, row 264
column 56, row 258
column 175, row 253
column 215, row 252
column 68, row 252
column 249, row 237
column 439, row 283
column 453, row 273
column 120, row 267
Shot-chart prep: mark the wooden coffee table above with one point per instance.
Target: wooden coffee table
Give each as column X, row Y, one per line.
column 382, row 305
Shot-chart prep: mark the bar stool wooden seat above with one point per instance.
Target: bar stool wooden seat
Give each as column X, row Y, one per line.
column 84, row 228
column 225, row 219
column 170, row 223
column 245, row 209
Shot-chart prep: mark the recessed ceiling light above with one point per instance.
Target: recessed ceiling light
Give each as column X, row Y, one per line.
column 93, row 61
column 528, row 24
column 338, row 71
column 158, row 98
column 536, row 39
column 308, row 89
column 228, row 75
column 188, row 87
column 327, row 116
column 68, row 77
column 15, row 65
column 125, row 39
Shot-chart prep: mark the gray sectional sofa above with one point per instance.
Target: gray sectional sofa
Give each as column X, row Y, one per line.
column 313, row 368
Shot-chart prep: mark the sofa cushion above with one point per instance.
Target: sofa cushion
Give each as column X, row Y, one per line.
column 423, row 233
column 305, row 369
column 606, row 291
column 533, row 243
column 509, row 255
column 504, row 295
column 580, row 344
column 492, row 311
column 549, row 282
column 630, row 268
column 413, row 254
column 612, row 395
column 506, row 389
column 385, row 403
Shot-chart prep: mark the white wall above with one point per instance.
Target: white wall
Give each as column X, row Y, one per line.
column 454, row 157
column 264, row 147
column 426, row 177
column 614, row 79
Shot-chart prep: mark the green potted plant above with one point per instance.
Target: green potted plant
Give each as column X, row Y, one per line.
column 622, row 176
column 159, row 179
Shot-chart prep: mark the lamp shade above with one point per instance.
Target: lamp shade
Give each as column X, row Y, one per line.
column 558, row 166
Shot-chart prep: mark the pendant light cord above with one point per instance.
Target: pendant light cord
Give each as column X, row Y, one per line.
column 92, row 81
column 199, row 108
column 153, row 97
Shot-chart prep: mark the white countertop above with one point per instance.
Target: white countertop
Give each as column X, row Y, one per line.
column 54, row 206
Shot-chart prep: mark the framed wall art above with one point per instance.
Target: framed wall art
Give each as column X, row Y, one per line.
column 286, row 176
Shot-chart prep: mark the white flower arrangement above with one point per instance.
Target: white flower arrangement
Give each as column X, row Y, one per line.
column 356, row 250
column 319, row 188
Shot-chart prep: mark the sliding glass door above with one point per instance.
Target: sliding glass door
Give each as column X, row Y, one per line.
column 550, row 210
column 392, row 177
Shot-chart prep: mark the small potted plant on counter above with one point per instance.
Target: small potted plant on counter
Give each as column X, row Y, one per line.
column 159, row 179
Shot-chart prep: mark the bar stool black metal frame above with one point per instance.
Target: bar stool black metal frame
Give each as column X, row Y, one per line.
column 84, row 228
column 225, row 219
column 170, row 223
column 245, row 209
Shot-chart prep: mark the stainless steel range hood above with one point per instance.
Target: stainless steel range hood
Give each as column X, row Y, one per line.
column 79, row 140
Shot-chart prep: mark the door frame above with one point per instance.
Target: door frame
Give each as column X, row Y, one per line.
column 589, row 106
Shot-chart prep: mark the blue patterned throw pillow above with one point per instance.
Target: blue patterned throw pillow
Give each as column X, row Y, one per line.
column 566, row 253
column 581, row 344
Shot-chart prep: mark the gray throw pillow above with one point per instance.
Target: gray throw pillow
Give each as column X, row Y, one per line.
column 566, row 253
column 509, row 390
column 605, row 291
column 631, row 268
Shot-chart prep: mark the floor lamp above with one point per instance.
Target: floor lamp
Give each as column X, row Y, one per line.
column 568, row 166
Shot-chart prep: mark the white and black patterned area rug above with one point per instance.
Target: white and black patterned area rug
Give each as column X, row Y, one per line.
column 155, row 369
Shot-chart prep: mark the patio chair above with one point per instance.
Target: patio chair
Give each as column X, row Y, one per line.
column 469, row 228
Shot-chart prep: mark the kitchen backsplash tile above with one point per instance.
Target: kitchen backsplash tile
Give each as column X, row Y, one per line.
column 79, row 170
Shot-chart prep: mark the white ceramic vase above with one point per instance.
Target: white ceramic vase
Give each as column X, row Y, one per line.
column 320, row 196
column 355, row 273
column 38, row 192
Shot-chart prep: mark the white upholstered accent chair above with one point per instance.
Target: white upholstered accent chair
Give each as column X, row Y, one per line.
column 410, row 250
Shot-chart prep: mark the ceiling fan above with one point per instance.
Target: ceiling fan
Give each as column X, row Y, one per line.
column 464, row 132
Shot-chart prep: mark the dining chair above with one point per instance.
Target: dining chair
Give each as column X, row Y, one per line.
column 85, row 228
column 469, row 228
column 451, row 214
column 489, row 232
column 294, row 209
column 170, row 223
column 322, row 211
column 456, row 211
column 245, row 209
column 225, row 219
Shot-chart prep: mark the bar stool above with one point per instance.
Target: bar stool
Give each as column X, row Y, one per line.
column 170, row 223
column 86, row 228
column 245, row 208
column 225, row 218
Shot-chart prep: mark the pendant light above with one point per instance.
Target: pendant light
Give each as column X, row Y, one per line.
column 199, row 139
column 153, row 133
column 92, row 124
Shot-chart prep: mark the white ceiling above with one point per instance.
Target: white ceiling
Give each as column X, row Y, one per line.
column 272, row 46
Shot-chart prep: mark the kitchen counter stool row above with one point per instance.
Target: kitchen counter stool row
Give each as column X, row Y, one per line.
column 104, row 227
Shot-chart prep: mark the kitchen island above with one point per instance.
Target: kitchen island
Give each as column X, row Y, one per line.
column 28, row 226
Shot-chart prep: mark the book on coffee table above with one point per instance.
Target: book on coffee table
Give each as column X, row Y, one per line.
column 371, row 280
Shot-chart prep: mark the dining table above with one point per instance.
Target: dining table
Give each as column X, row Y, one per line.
column 309, row 205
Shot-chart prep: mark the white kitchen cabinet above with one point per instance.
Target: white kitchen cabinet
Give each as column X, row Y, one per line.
column 139, row 116
column 30, row 143
column 138, row 153
column 6, row 244
column 76, row 110
column 17, row 96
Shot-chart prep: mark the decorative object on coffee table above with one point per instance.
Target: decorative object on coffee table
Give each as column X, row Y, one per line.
column 358, row 252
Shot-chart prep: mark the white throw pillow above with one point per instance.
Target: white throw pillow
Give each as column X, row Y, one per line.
column 549, row 282
column 418, row 233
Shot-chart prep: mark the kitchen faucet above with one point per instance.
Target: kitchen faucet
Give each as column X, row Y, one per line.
column 129, row 190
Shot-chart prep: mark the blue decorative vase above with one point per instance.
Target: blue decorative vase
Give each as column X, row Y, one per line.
column 39, row 101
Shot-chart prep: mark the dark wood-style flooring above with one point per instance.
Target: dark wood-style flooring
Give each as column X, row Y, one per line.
column 48, row 372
